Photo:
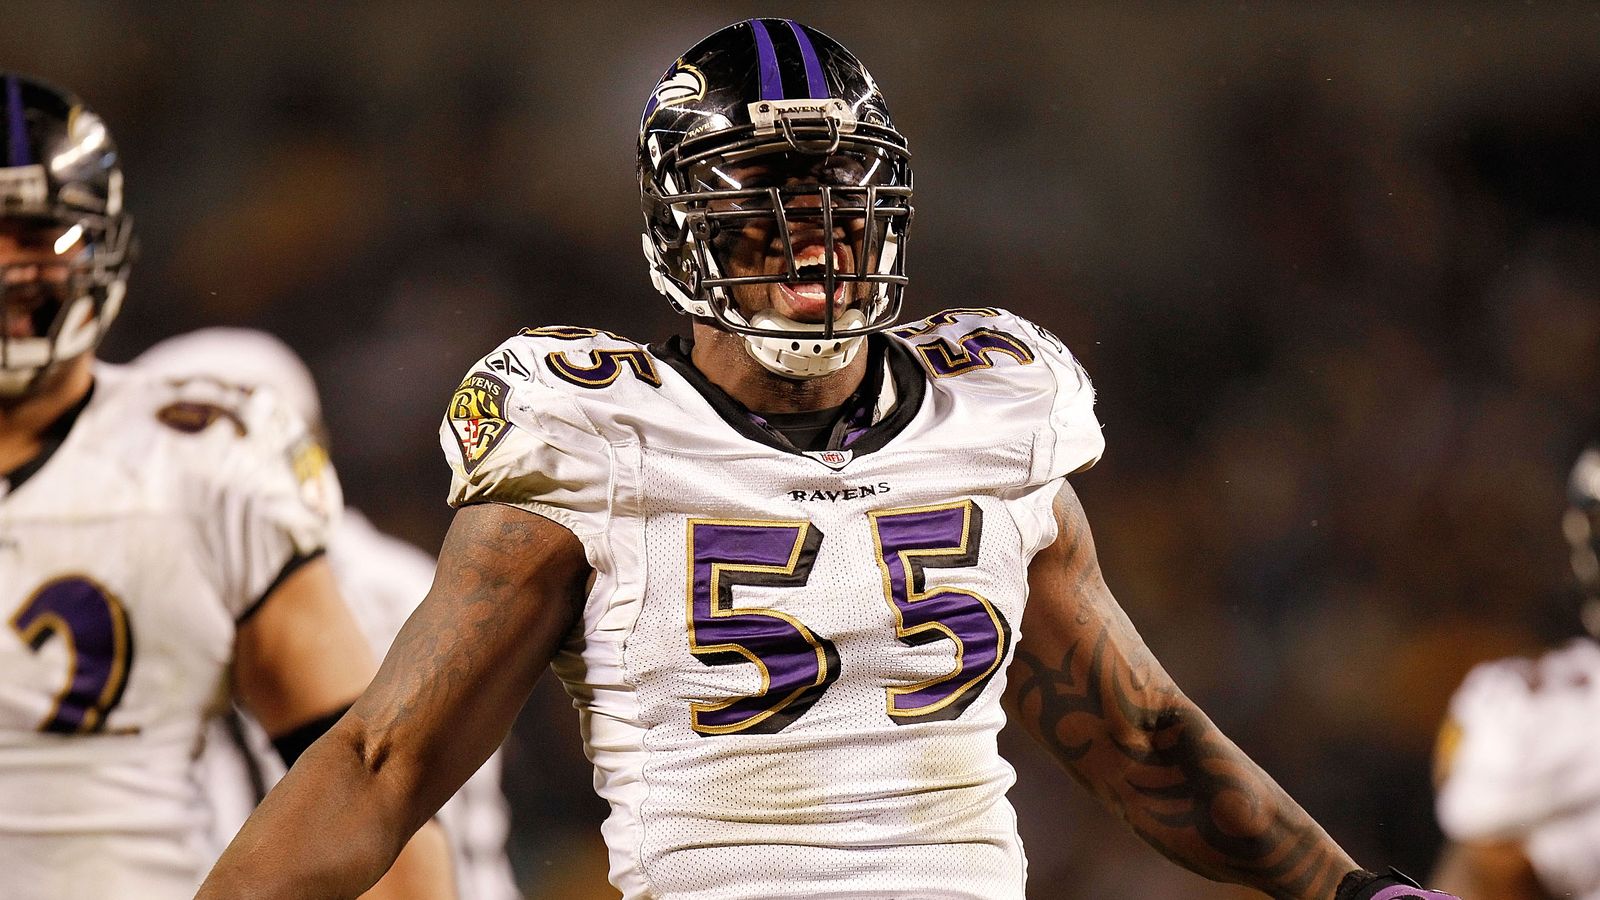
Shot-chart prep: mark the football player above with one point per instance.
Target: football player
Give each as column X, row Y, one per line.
column 381, row 578
column 1519, row 779
column 781, row 563
column 160, row 546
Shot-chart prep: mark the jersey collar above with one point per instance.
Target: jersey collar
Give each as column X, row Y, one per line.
column 888, row 399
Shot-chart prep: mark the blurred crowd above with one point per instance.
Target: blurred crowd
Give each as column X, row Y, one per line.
column 1335, row 270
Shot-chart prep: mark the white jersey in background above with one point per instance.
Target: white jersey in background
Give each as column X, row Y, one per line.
column 127, row 556
column 382, row 578
column 788, row 671
column 1521, row 762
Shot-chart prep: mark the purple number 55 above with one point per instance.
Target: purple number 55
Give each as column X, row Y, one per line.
column 911, row 541
column 795, row 663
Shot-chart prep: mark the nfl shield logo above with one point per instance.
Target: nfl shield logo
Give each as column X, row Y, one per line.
column 833, row 459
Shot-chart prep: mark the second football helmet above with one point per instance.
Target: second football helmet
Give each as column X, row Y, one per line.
column 61, row 174
column 1582, row 528
column 769, row 130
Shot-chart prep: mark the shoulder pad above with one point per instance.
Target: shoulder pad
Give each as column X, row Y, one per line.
column 516, row 432
column 573, row 356
column 237, row 431
column 193, row 404
column 965, row 340
column 987, row 350
column 1521, row 740
column 244, row 466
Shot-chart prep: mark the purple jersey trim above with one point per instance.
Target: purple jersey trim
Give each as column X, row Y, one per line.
column 16, row 126
column 816, row 84
column 767, row 59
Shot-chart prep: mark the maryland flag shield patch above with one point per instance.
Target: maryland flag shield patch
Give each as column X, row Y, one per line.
column 477, row 416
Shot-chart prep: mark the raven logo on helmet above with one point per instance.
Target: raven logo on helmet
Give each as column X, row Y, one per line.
column 683, row 83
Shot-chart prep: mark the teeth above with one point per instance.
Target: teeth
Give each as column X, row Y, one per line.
column 815, row 255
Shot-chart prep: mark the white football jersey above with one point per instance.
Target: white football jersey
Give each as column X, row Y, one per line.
column 788, row 671
column 126, row 559
column 382, row 578
column 1520, row 763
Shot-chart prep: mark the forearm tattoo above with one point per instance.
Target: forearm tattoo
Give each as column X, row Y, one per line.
column 1108, row 711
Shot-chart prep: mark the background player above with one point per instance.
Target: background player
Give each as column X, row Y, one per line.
column 159, row 544
column 381, row 578
column 1519, row 781
column 784, row 691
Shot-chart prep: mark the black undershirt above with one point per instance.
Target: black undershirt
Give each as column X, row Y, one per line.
column 807, row 430
column 849, row 425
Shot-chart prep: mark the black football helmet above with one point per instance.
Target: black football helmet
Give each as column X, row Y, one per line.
column 769, row 130
column 1582, row 528
column 61, row 174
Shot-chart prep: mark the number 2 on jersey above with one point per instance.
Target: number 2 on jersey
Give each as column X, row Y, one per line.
column 99, row 644
column 796, row 664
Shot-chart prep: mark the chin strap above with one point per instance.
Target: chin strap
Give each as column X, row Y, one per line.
column 799, row 357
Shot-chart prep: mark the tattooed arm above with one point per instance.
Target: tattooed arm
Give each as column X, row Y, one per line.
column 507, row 589
column 1085, row 685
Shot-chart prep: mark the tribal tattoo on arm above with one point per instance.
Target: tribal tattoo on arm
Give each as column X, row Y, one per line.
column 1085, row 686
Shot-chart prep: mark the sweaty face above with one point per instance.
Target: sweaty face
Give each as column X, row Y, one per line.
column 749, row 238
column 36, row 265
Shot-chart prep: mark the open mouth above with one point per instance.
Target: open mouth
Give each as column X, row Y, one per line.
column 27, row 310
column 807, row 297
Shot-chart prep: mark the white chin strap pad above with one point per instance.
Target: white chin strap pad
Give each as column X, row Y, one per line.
column 15, row 382
column 800, row 356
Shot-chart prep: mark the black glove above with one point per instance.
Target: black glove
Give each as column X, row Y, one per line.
column 1363, row 885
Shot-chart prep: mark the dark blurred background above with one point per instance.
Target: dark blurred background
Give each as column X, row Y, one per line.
column 1333, row 267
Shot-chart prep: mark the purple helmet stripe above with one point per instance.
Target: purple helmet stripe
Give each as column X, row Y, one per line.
column 16, row 126
column 816, row 84
column 771, row 78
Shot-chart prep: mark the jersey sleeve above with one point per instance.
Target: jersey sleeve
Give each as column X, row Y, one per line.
column 1071, row 440
column 266, row 497
column 1517, row 749
column 1020, row 374
column 514, row 439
